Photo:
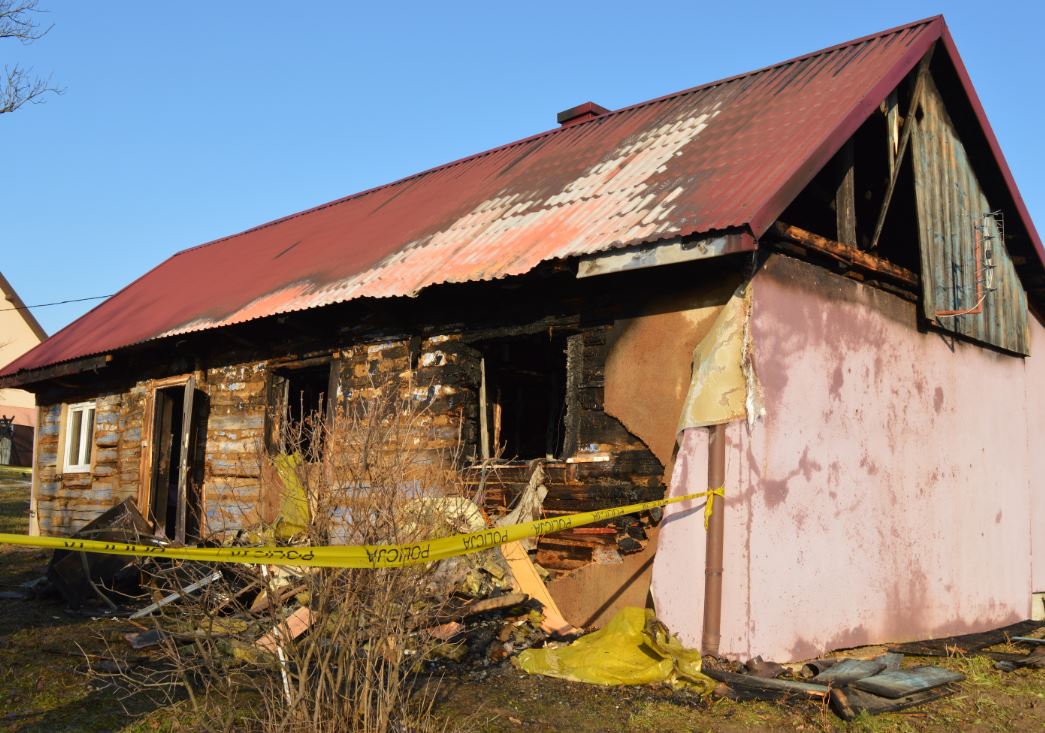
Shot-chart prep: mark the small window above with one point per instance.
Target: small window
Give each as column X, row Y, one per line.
column 525, row 396
column 79, row 436
column 298, row 405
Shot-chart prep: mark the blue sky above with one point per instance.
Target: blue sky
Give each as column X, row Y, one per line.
column 181, row 123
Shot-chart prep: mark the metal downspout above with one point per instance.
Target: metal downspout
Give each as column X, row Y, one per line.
column 712, row 630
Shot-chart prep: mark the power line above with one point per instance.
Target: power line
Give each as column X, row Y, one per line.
column 57, row 302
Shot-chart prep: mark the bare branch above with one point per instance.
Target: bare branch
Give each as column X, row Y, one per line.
column 18, row 85
column 21, row 87
column 17, row 21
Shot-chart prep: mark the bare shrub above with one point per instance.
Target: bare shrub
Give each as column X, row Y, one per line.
column 322, row 649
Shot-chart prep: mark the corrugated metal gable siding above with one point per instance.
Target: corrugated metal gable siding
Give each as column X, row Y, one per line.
column 951, row 204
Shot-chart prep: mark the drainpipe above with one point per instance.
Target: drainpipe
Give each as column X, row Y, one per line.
column 712, row 632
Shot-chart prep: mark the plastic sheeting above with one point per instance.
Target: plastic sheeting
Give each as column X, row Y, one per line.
column 724, row 386
column 634, row 648
column 294, row 514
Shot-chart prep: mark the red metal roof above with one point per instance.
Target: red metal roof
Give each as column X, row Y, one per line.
column 729, row 154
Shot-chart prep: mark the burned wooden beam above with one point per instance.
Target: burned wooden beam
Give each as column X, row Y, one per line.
column 183, row 463
column 845, row 197
column 850, row 702
column 65, row 369
column 749, row 687
column 664, row 253
column 905, row 137
column 848, row 254
column 966, row 643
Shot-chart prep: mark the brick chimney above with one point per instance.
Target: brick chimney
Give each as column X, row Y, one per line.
column 580, row 113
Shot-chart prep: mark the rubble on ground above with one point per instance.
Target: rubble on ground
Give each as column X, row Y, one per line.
column 486, row 608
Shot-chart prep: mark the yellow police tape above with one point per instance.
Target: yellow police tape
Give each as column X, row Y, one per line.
column 354, row 556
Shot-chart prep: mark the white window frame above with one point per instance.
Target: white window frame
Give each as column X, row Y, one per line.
column 80, row 463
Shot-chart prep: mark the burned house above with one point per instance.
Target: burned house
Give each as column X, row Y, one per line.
column 815, row 283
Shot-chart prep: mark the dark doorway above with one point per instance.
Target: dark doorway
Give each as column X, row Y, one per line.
column 171, row 435
column 526, row 396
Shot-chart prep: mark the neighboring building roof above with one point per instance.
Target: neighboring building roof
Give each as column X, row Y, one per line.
column 22, row 415
column 16, row 302
column 723, row 156
column 19, row 332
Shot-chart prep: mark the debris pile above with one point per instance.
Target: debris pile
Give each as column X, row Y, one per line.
column 879, row 684
column 480, row 608
column 979, row 645
column 849, row 686
column 477, row 610
column 85, row 578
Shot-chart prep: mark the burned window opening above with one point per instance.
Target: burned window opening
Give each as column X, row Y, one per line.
column 525, row 396
column 815, row 209
column 298, row 405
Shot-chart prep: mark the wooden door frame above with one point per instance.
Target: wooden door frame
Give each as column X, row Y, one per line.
column 34, row 485
column 145, row 468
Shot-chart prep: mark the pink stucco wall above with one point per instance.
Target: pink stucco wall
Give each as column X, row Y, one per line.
column 887, row 493
column 1035, row 413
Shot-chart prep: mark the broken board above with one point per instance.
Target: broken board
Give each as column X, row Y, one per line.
column 849, row 703
column 526, row 580
column 899, row 683
column 749, row 687
column 291, row 627
column 966, row 643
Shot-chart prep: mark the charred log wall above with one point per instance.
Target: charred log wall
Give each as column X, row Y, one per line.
column 604, row 465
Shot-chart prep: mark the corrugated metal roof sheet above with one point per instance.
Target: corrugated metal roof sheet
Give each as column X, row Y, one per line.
column 728, row 154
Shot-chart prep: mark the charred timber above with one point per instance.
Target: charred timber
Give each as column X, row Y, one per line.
column 848, row 254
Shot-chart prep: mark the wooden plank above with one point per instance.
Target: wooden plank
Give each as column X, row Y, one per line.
column 1034, row 660
column 333, row 384
column 846, row 253
column 849, row 703
column 92, row 363
column 683, row 249
column 905, row 136
column 761, row 688
column 183, row 463
column 180, row 593
column 496, row 603
column 34, row 486
column 892, row 125
column 291, row 628
column 484, row 427
column 845, row 197
column 967, row 643
column 902, row 682
column 160, row 465
column 526, row 579
column 145, row 455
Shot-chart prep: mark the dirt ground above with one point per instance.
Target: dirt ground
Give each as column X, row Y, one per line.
column 43, row 686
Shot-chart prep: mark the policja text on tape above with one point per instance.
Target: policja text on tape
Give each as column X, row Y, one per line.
column 356, row 556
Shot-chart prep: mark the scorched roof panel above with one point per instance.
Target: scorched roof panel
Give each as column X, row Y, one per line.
column 724, row 155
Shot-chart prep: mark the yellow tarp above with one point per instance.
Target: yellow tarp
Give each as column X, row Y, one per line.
column 634, row 648
column 294, row 516
column 724, row 387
